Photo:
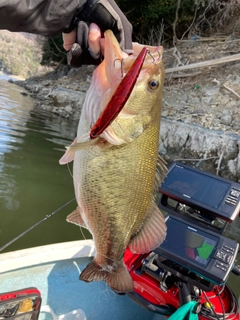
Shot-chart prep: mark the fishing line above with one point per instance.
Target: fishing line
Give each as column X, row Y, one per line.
column 35, row 225
column 69, row 170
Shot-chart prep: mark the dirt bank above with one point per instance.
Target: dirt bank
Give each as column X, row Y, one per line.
column 201, row 107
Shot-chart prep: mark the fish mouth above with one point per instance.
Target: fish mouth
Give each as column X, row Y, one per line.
column 122, row 61
column 120, row 96
column 133, row 64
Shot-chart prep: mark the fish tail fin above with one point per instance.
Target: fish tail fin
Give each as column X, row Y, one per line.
column 93, row 272
column 120, row 280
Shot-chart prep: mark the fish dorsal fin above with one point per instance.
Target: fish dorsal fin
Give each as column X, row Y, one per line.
column 161, row 172
column 152, row 233
column 76, row 218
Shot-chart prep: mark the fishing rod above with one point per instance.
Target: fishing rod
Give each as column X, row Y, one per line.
column 35, row 225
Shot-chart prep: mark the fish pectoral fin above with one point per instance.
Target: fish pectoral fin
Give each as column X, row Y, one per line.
column 84, row 142
column 118, row 279
column 76, row 218
column 151, row 234
column 68, row 155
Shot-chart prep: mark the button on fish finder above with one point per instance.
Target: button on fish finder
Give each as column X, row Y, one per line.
column 235, row 193
column 228, row 249
column 221, row 265
column 223, row 256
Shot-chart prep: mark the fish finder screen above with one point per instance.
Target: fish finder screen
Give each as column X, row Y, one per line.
column 189, row 243
column 197, row 186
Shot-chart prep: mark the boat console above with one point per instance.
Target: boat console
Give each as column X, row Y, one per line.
column 195, row 259
column 199, row 207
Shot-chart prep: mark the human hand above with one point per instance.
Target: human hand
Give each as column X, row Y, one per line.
column 69, row 39
column 83, row 45
column 84, row 42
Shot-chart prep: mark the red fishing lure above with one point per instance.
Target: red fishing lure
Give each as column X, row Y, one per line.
column 119, row 97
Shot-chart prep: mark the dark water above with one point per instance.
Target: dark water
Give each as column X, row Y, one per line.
column 32, row 183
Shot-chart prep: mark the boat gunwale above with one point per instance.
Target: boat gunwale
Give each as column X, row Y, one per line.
column 29, row 257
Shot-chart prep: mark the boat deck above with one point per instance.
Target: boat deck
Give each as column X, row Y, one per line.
column 57, row 280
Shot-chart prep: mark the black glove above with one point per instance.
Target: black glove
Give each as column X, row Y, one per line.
column 80, row 54
column 107, row 15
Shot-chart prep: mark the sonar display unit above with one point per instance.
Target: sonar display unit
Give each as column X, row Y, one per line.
column 202, row 190
column 196, row 244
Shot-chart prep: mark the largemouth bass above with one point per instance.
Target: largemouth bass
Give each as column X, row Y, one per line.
column 117, row 174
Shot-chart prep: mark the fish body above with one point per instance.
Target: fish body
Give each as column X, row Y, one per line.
column 116, row 175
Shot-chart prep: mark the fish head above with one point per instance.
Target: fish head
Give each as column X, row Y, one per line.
column 145, row 97
column 143, row 106
column 116, row 65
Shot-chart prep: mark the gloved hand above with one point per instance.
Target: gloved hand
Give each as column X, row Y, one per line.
column 107, row 15
column 80, row 52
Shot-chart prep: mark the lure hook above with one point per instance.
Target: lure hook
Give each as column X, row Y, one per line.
column 153, row 59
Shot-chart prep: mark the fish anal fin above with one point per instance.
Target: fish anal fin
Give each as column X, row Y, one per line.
column 119, row 280
column 151, row 234
column 76, row 218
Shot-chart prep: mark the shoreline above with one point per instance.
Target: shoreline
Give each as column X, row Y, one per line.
column 11, row 76
column 200, row 115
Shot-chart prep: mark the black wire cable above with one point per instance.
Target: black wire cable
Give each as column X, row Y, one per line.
column 230, row 315
column 221, row 302
column 206, row 297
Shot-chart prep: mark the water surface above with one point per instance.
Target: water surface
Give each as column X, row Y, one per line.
column 32, row 183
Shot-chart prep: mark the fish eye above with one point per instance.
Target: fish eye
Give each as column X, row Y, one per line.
column 153, row 84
